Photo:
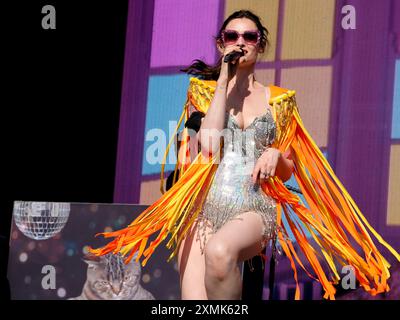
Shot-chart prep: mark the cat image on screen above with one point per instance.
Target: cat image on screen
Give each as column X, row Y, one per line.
column 109, row 278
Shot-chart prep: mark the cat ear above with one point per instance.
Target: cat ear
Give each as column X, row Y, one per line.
column 92, row 260
column 134, row 266
column 91, row 263
column 135, row 256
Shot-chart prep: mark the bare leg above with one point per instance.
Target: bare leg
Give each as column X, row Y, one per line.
column 191, row 263
column 237, row 241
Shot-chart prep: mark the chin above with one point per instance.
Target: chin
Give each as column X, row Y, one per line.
column 246, row 63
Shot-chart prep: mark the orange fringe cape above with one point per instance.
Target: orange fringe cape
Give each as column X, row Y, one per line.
column 332, row 217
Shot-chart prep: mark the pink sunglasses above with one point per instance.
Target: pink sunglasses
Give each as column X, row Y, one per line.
column 231, row 36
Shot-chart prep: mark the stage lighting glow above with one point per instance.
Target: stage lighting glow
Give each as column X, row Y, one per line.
column 108, row 229
column 146, row 278
column 61, row 292
column 23, row 257
column 85, row 249
column 157, row 273
column 31, row 245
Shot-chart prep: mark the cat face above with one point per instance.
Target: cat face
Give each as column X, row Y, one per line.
column 109, row 278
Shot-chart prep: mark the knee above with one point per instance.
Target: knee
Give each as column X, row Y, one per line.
column 219, row 259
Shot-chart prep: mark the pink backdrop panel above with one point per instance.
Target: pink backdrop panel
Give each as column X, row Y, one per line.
column 182, row 31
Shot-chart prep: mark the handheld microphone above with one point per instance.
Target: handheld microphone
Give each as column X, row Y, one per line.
column 233, row 56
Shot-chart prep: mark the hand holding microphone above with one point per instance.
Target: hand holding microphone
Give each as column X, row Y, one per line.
column 229, row 65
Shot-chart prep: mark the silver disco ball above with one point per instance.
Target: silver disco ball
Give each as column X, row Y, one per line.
column 40, row 220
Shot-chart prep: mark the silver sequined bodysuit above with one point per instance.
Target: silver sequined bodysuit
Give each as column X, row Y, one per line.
column 232, row 191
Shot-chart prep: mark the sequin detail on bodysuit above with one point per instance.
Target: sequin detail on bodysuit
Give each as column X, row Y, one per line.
column 232, row 191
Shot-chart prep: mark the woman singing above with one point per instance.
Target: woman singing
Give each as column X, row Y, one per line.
column 228, row 202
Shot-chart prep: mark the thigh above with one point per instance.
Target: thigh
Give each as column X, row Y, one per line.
column 242, row 236
column 191, row 264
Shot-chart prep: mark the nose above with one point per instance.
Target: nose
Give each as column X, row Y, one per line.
column 240, row 41
column 116, row 287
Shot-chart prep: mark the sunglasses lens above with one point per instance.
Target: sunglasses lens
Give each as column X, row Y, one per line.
column 251, row 37
column 230, row 36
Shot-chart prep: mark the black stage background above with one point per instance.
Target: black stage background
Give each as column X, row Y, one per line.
column 60, row 104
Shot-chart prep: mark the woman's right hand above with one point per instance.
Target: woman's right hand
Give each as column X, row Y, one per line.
column 228, row 69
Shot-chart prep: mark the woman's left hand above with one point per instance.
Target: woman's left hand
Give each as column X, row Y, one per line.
column 266, row 164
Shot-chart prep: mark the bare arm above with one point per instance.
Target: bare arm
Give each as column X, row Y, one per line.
column 214, row 121
column 272, row 162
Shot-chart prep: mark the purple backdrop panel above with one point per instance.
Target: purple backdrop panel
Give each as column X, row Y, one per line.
column 183, row 30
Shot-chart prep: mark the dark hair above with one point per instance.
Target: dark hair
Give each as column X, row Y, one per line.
column 207, row 72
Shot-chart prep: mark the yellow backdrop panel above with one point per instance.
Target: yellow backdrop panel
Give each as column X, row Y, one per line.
column 393, row 215
column 308, row 29
column 265, row 76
